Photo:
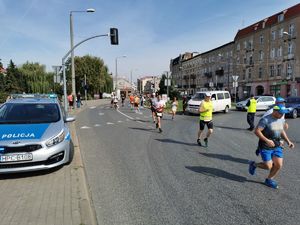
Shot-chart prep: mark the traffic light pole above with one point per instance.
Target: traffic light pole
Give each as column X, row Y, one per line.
column 64, row 71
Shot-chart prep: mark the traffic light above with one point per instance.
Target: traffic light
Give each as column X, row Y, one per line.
column 114, row 38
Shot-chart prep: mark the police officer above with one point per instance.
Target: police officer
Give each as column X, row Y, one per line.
column 251, row 112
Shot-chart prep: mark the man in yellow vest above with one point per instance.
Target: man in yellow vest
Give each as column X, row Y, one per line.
column 251, row 112
column 205, row 109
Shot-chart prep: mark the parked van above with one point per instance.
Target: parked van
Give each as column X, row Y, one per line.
column 221, row 101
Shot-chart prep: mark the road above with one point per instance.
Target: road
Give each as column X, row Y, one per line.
column 139, row 176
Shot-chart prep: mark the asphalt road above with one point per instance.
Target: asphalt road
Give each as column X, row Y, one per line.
column 139, row 176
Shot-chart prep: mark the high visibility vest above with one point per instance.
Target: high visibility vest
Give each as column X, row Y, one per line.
column 252, row 106
column 206, row 116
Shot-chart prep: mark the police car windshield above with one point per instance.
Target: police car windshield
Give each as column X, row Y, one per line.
column 19, row 113
column 198, row 96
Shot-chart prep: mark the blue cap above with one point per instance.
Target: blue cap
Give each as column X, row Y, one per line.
column 279, row 99
column 281, row 109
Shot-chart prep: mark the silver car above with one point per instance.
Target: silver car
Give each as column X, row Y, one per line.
column 33, row 134
column 262, row 103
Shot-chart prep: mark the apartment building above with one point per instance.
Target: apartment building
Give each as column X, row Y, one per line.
column 265, row 57
column 148, row 84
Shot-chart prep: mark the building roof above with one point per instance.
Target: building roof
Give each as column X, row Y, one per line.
column 268, row 22
column 2, row 70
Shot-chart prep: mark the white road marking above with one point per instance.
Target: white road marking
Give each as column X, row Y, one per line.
column 100, row 114
column 85, row 127
column 137, row 118
column 129, row 117
column 139, row 121
column 109, row 123
column 97, row 125
column 93, row 107
column 120, row 121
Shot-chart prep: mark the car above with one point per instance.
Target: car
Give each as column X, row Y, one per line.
column 106, row 95
column 262, row 102
column 293, row 103
column 34, row 134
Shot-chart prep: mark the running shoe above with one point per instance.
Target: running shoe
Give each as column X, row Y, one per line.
column 160, row 130
column 271, row 183
column 199, row 142
column 156, row 125
column 252, row 167
column 205, row 142
column 257, row 151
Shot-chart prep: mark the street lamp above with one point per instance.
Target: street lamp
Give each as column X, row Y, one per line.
column 72, row 45
column 123, row 56
column 293, row 89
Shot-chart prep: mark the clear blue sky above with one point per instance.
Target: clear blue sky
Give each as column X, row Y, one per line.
column 151, row 32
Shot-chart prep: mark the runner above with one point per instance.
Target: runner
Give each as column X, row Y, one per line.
column 152, row 101
column 136, row 104
column 270, row 131
column 205, row 110
column 174, row 107
column 131, row 100
column 251, row 112
column 159, row 107
column 123, row 99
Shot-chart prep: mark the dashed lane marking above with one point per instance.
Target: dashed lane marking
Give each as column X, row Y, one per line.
column 109, row 123
column 85, row 127
column 97, row 125
column 93, row 107
column 100, row 114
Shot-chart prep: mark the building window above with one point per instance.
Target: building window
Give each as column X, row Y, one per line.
column 289, row 71
column 249, row 73
column 238, row 47
column 291, row 29
column 260, row 71
column 244, row 74
column 273, row 35
column 272, row 54
column 261, row 39
column 280, row 17
column 290, row 48
column 272, row 71
column 280, row 33
column 261, row 55
column 279, row 51
column 245, row 44
column 278, row 70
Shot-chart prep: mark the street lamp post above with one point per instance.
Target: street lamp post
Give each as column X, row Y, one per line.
column 293, row 89
column 116, row 61
column 72, row 46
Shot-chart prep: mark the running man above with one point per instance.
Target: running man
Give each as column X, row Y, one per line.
column 251, row 112
column 152, row 101
column 159, row 107
column 174, row 107
column 205, row 110
column 270, row 131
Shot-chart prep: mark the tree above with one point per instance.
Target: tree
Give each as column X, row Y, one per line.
column 96, row 72
column 163, row 89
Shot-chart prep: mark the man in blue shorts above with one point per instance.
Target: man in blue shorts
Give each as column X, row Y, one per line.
column 270, row 131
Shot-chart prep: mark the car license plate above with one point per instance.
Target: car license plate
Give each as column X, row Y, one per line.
column 16, row 157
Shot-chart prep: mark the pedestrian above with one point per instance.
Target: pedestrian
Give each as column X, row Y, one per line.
column 270, row 131
column 159, row 107
column 142, row 101
column 152, row 101
column 251, row 112
column 78, row 100
column 123, row 99
column 71, row 101
column 131, row 100
column 280, row 102
column 136, row 104
column 174, row 107
column 205, row 109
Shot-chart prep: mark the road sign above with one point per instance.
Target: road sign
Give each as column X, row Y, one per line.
column 235, row 78
column 211, row 84
column 235, row 84
column 167, row 82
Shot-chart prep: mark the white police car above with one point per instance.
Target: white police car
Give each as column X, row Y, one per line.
column 33, row 134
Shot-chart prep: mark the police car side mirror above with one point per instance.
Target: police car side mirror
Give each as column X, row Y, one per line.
column 70, row 119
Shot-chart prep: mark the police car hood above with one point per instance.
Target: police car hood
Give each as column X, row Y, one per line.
column 28, row 132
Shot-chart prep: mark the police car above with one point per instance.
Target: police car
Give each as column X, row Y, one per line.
column 33, row 134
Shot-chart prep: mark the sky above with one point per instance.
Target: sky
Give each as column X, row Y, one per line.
column 151, row 32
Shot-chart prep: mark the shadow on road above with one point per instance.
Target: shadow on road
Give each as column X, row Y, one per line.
column 167, row 140
column 28, row 174
column 225, row 157
column 214, row 172
column 231, row 128
column 143, row 129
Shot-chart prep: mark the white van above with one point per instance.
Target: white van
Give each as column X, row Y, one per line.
column 221, row 101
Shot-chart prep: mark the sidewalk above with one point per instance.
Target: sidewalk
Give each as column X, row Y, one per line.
column 56, row 197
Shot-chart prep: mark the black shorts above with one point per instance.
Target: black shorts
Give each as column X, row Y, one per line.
column 209, row 124
column 153, row 109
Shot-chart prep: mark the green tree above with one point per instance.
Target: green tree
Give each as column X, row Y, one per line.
column 163, row 89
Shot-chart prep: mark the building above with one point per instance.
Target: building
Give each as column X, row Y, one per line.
column 264, row 56
column 148, row 84
column 124, row 85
